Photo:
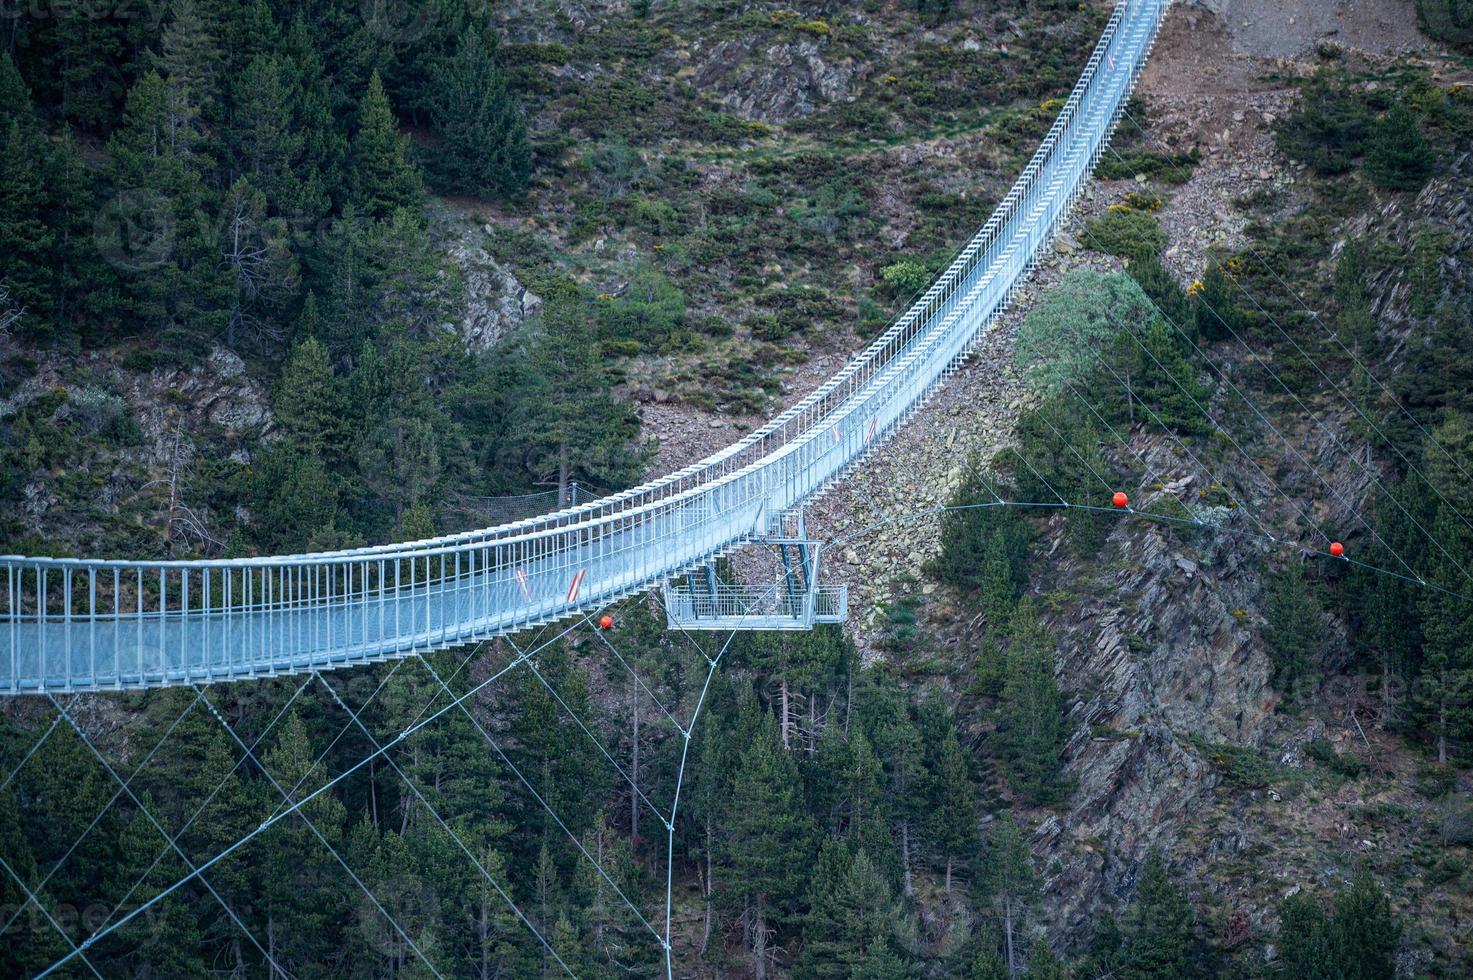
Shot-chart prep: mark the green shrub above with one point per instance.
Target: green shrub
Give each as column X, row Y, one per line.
column 1126, row 233
column 1322, row 752
column 1399, row 157
column 1240, row 767
column 1130, row 164
column 1328, row 128
column 905, row 278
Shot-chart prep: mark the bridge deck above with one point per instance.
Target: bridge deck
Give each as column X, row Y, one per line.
column 92, row 625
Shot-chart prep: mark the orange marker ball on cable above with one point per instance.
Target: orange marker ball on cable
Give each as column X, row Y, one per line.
column 1120, row 499
column 606, row 622
column 1337, row 549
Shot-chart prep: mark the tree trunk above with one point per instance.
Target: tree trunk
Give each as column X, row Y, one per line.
column 948, row 874
column 812, row 723
column 1008, row 938
column 785, row 714
column 563, row 471
column 759, row 942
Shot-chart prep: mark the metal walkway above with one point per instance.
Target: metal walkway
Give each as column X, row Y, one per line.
column 80, row 625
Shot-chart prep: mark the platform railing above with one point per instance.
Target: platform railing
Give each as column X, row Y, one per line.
column 83, row 624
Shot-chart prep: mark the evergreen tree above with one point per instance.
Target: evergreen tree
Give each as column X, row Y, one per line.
column 1044, row 963
column 767, row 842
column 949, row 821
column 1160, row 285
column 158, row 232
column 1398, row 157
column 483, row 146
column 578, row 431
column 295, row 498
column 1031, row 733
column 1356, row 940
column 1012, row 890
column 309, row 404
column 1365, row 931
column 89, row 65
column 383, row 176
column 1446, row 687
column 27, row 244
column 15, row 96
column 304, row 892
column 1354, row 321
column 1215, row 307
column 264, row 137
column 1294, row 630
column 822, row 956
column 189, row 60
column 1160, row 928
column 853, row 922
column 1166, row 381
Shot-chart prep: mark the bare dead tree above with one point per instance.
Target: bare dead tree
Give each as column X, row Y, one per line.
column 255, row 251
column 179, row 518
column 11, row 312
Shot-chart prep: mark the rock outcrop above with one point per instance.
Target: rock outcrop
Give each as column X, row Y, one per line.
column 496, row 302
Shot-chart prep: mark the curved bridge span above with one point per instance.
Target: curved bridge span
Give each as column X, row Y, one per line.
column 85, row 625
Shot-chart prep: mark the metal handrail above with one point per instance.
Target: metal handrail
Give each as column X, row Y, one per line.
column 535, row 570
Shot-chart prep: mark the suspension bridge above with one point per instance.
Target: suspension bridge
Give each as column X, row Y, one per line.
column 73, row 626
column 77, row 625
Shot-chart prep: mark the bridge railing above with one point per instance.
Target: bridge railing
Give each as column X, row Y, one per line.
column 79, row 623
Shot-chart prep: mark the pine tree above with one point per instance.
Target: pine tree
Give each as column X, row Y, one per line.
column 15, row 96
column 1161, row 286
column 189, row 59
column 383, row 176
column 1160, row 928
column 304, row 893
column 157, row 231
column 1354, row 321
column 580, row 432
column 295, row 498
column 1167, row 382
column 91, row 61
column 853, row 921
column 1399, row 157
column 309, row 404
column 1294, row 630
column 1446, row 689
column 821, row 958
column 1011, row 887
column 1031, row 732
column 1215, row 307
column 483, row 146
column 1044, row 963
column 27, row 244
column 1356, row 940
column 261, row 132
column 767, row 842
column 949, row 821
column 1365, row 929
